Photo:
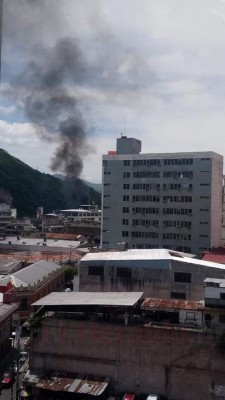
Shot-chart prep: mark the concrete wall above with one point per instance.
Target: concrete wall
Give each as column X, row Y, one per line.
column 216, row 202
column 5, row 334
column 42, row 248
column 190, row 317
column 182, row 364
column 213, row 292
column 155, row 281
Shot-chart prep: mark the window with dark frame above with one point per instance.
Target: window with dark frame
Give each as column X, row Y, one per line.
column 123, row 272
column 183, row 277
column 96, row 270
column 178, row 295
column 222, row 296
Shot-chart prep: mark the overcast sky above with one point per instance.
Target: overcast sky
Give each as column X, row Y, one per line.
column 152, row 69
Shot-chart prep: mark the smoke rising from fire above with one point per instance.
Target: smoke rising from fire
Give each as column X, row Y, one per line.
column 64, row 81
column 50, row 107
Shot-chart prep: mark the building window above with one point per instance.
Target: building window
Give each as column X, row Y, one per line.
column 125, row 222
column 178, row 295
column 125, row 233
column 124, row 273
column 126, row 163
column 126, row 186
column 96, row 271
column 222, row 296
column 126, row 174
column 125, row 210
column 24, row 303
column 125, row 198
column 222, row 318
column 184, row 277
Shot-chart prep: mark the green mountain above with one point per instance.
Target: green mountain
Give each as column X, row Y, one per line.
column 95, row 186
column 30, row 188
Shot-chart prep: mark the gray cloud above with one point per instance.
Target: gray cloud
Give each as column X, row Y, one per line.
column 42, row 88
column 154, row 66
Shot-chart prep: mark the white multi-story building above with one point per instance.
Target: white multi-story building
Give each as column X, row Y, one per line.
column 171, row 200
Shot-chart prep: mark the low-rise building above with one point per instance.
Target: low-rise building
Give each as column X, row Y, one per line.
column 157, row 272
column 112, row 338
column 32, row 283
column 9, row 265
column 50, row 246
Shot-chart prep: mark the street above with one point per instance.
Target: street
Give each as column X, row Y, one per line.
column 10, row 393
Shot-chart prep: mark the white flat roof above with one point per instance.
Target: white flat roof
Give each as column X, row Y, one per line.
column 39, row 242
column 148, row 255
column 219, row 282
column 134, row 254
column 77, row 210
column 137, row 254
column 90, row 298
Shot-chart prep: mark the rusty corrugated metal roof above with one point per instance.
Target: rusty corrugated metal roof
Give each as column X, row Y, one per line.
column 74, row 383
column 163, row 304
column 36, row 256
column 64, row 236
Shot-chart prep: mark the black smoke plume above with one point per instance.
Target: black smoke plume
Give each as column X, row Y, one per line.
column 49, row 106
column 42, row 90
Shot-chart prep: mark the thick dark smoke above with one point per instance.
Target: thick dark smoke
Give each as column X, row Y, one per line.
column 42, row 89
column 48, row 88
column 49, row 106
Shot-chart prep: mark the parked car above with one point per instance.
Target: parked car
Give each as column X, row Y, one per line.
column 129, row 396
column 7, row 380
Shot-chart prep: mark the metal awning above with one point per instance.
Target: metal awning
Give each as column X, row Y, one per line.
column 113, row 299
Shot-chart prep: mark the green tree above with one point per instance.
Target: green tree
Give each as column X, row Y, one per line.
column 69, row 274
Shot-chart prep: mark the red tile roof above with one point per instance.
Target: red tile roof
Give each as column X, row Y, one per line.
column 216, row 255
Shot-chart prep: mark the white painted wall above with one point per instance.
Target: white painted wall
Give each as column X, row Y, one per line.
column 212, row 292
column 188, row 317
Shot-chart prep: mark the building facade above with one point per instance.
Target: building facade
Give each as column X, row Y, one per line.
column 32, row 283
column 7, row 308
column 169, row 200
column 158, row 273
column 77, row 340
